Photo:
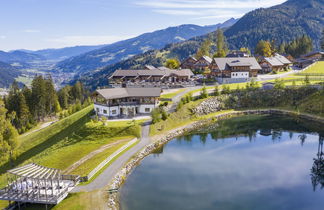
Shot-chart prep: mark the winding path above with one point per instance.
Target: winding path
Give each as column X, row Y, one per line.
column 108, row 174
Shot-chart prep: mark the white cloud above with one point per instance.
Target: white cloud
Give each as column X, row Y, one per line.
column 208, row 4
column 176, row 12
column 31, row 31
column 2, row 37
column 205, row 9
column 86, row 40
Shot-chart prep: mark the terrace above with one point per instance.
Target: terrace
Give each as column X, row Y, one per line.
column 33, row 183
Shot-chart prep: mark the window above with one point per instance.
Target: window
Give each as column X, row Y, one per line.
column 105, row 111
column 147, row 110
column 98, row 110
column 114, row 112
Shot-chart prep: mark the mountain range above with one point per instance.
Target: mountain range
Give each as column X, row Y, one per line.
column 280, row 23
column 63, row 53
column 126, row 49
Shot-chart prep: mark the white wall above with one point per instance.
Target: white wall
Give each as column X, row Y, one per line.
column 110, row 110
column 143, row 107
column 111, row 113
column 240, row 75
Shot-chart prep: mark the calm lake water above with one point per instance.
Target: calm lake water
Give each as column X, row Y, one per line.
column 256, row 162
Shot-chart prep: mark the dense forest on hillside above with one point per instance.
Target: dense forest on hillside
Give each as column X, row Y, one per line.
column 281, row 23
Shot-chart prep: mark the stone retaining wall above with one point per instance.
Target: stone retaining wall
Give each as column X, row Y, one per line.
column 113, row 202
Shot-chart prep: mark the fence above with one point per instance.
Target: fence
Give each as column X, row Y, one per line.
column 107, row 160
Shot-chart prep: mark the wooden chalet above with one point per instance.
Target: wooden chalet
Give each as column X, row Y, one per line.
column 275, row 63
column 234, row 68
column 126, row 102
column 158, row 77
column 315, row 56
column 189, row 63
column 202, row 63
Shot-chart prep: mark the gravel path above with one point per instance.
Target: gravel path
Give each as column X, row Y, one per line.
column 108, row 174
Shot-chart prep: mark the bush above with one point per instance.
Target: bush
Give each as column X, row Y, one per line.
column 226, row 89
column 204, row 93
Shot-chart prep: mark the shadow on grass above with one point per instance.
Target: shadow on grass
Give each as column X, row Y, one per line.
column 56, row 138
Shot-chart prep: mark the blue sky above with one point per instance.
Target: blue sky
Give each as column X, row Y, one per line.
column 39, row 24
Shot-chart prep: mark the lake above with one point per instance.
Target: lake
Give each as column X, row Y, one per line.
column 256, row 162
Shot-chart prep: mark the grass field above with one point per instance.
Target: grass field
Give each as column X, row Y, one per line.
column 317, row 68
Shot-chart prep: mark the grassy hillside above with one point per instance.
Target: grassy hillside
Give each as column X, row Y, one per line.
column 70, row 139
column 313, row 104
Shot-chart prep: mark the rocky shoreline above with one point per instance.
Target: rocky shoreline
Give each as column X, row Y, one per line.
column 116, row 183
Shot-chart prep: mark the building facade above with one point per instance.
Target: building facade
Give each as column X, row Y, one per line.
column 126, row 102
column 231, row 70
column 149, row 78
column 189, row 63
column 275, row 63
column 203, row 63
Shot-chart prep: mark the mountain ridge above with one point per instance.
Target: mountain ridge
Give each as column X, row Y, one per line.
column 128, row 48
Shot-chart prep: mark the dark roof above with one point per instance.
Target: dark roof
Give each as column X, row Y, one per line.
column 161, row 71
column 114, row 93
column 224, row 63
column 313, row 53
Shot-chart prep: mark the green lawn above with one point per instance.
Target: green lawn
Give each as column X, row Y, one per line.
column 92, row 163
column 171, row 95
column 317, row 68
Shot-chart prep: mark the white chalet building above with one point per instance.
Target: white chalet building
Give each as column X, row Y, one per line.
column 126, row 102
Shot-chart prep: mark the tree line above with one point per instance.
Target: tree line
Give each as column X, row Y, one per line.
column 28, row 106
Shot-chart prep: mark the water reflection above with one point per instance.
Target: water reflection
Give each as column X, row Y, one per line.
column 317, row 171
column 261, row 163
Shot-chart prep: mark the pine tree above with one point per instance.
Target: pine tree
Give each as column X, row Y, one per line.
column 77, row 92
column 23, row 114
column 50, row 96
column 38, row 98
column 322, row 40
column 282, row 48
column 221, row 45
column 63, row 96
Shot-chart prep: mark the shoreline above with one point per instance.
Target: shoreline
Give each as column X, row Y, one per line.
column 160, row 140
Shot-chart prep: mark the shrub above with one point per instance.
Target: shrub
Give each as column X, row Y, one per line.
column 204, row 93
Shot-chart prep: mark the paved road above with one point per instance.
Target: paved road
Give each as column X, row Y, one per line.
column 108, row 174
column 178, row 97
column 278, row 76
